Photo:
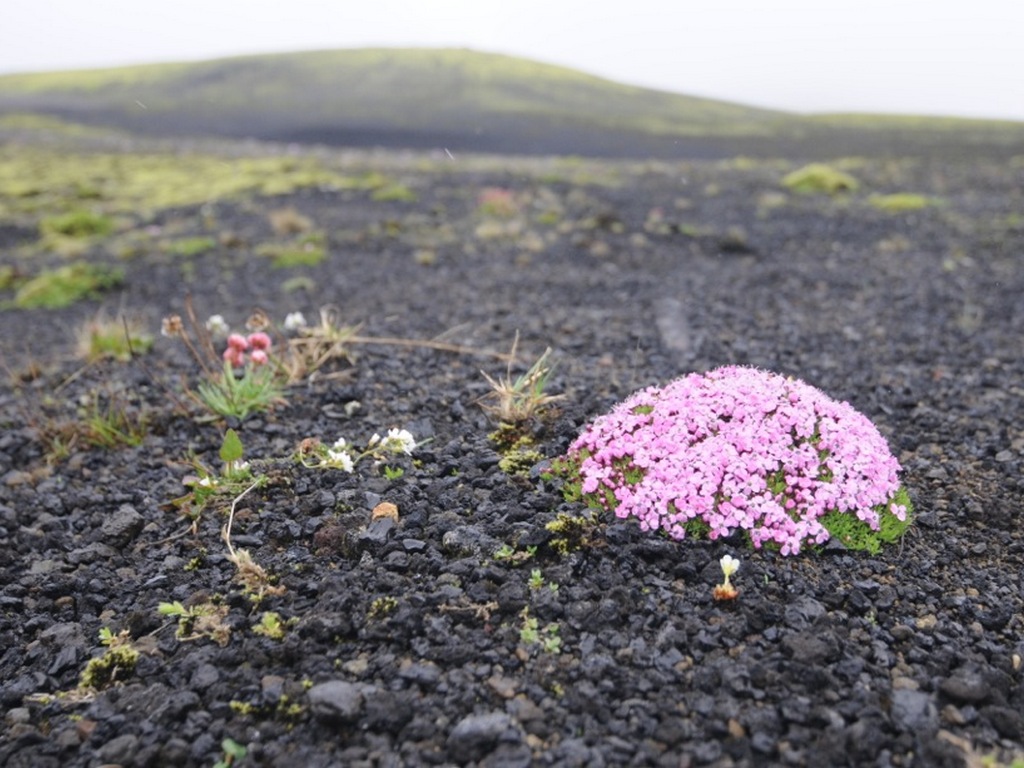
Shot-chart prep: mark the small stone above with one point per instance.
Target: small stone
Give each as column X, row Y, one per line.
column 336, row 700
column 204, row 676
column 376, row 534
column 966, row 686
column 475, row 736
column 951, row 715
column 120, row 749
column 912, row 710
column 902, row 632
column 926, row 622
column 503, row 686
column 1008, row 722
column 122, row 526
column 905, row 684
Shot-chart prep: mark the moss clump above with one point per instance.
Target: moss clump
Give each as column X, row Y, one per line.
column 902, row 202
column 77, row 224
column 53, row 289
column 191, row 246
column 857, row 535
column 818, row 178
column 394, row 193
column 571, row 533
column 306, row 251
column 116, row 663
column 519, row 461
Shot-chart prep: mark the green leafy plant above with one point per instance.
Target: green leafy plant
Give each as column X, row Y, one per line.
column 228, row 394
column 207, row 486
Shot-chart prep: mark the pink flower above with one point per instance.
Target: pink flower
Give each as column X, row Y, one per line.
column 739, row 449
column 234, row 356
column 258, row 357
column 238, row 342
column 259, row 341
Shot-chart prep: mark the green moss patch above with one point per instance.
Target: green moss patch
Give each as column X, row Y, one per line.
column 902, row 202
column 52, row 289
column 818, row 178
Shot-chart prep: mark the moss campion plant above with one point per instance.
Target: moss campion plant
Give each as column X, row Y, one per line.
column 738, row 449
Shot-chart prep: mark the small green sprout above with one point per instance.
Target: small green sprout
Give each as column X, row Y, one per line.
column 196, row 621
column 270, row 626
column 536, row 579
column 531, row 634
column 381, row 608
column 233, row 751
column 508, row 554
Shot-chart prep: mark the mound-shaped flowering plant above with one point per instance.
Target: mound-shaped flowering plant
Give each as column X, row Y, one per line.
column 738, row 449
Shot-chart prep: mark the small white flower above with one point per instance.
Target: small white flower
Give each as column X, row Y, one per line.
column 340, row 460
column 373, row 440
column 218, row 326
column 729, row 566
column 294, row 321
column 340, row 444
column 207, row 482
column 399, row 441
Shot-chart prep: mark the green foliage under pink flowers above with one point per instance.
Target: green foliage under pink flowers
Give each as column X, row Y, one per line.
column 738, row 449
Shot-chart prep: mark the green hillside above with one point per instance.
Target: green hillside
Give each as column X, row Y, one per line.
column 420, row 98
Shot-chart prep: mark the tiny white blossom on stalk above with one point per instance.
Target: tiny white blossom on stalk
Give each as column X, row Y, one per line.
column 293, row 321
column 218, row 326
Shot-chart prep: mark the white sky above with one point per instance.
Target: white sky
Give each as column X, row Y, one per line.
column 942, row 57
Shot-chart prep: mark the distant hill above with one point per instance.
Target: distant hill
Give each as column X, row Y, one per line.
column 453, row 99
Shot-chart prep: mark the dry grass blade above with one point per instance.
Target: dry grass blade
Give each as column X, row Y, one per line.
column 512, row 401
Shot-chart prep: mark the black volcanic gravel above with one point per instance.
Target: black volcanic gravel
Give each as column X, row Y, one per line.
column 402, row 642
